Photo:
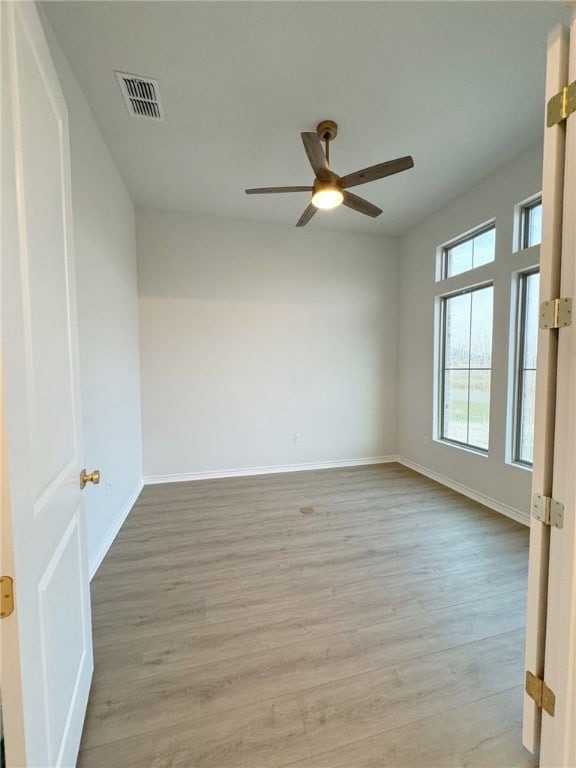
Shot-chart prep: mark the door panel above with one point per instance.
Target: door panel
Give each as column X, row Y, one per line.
column 44, row 260
column 41, row 404
column 63, row 656
column 546, row 373
column 558, row 742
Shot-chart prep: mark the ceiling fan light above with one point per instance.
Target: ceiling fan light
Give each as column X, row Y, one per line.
column 327, row 197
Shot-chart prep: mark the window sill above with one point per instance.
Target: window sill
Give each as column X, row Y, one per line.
column 462, row 447
column 519, row 465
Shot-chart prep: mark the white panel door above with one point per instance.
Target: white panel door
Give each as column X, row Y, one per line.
column 45, row 692
column 546, row 375
column 551, row 629
column 558, row 741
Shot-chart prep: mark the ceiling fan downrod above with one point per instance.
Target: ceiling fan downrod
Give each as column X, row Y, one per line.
column 327, row 131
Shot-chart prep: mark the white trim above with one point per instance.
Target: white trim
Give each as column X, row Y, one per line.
column 106, row 543
column 487, row 501
column 278, row 469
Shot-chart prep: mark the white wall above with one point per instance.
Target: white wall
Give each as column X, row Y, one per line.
column 105, row 249
column 252, row 332
column 490, row 477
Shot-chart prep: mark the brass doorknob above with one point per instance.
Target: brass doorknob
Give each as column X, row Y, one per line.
column 93, row 477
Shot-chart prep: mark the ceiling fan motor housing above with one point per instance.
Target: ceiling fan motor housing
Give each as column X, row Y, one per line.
column 327, row 130
column 330, row 182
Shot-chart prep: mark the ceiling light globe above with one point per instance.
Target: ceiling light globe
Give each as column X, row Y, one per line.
column 327, row 198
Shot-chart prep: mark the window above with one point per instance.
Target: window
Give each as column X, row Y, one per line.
column 529, row 286
column 531, row 224
column 466, row 367
column 469, row 252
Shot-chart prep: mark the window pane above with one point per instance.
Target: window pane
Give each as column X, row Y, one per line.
column 534, row 228
column 481, row 329
column 479, row 410
column 459, row 258
column 457, row 338
column 456, row 406
column 470, row 253
column 532, row 288
column 484, row 247
column 526, row 443
column 467, row 360
column 526, row 374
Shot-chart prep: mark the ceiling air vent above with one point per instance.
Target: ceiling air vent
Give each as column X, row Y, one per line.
column 141, row 95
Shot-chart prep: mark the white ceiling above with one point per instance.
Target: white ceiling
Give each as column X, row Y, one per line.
column 458, row 85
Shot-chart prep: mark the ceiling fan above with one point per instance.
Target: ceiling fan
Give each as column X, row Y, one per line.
column 329, row 189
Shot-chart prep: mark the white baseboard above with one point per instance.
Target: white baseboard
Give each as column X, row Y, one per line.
column 487, row 501
column 277, row 469
column 106, row 543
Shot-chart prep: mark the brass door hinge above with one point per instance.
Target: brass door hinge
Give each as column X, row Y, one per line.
column 556, row 313
column 6, row 596
column 548, row 510
column 561, row 106
column 542, row 695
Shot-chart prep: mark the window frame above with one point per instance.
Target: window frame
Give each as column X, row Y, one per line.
column 442, row 368
column 524, row 222
column 460, row 240
column 520, row 343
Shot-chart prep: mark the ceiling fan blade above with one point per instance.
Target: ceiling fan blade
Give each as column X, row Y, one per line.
column 316, row 155
column 377, row 172
column 306, row 216
column 274, row 190
column 361, row 205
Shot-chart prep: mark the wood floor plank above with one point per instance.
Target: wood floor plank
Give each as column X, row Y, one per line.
column 245, row 635
column 223, row 582
column 165, row 699
column 270, row 734
column 149, row 616
column 299, row 594
column 459, row 560
column 472, row 584
column 349, row 710
column 232, row 630
column 475, row 735
column 424, row 634
column 118, row 662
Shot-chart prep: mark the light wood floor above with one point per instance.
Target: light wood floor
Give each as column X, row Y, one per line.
column 383, row 629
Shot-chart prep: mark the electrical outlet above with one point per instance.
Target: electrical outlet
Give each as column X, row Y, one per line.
column 297, row 438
